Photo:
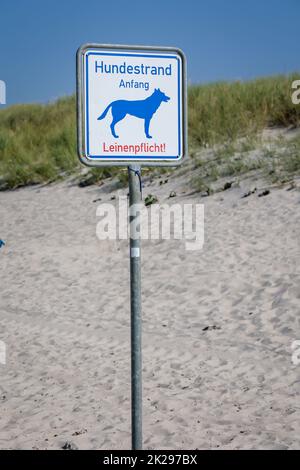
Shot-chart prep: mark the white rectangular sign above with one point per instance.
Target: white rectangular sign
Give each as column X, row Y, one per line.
column 131, row 104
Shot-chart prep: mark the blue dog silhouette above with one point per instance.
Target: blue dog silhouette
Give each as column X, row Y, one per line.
column 143, row 109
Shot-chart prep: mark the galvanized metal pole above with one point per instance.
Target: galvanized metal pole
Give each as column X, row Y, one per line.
column 135, row 197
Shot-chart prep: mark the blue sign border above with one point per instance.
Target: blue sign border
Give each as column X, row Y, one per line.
column 126, row 157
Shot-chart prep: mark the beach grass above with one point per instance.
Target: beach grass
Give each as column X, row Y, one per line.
column 38, row 142
column 223, row 112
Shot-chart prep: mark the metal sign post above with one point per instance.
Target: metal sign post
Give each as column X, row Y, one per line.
column 131, row 111
column 136, row 310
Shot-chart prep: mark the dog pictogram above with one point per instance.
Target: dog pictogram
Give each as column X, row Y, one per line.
column 143, row 109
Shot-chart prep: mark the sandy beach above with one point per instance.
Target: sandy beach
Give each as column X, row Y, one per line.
column 218, row 324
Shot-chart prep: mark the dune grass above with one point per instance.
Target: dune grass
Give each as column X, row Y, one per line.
column 276, row 160
column 221, row 112
column 38, row 142
column 282, row 161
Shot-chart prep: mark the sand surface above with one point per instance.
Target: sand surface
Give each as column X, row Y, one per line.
column 64, row 316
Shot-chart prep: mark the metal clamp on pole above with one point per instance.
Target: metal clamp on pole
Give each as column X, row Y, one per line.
column 135, row 197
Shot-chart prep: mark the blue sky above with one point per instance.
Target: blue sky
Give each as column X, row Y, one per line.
column 222, row 39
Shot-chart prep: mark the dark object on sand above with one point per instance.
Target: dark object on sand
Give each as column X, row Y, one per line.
column 2, row 243
column 228, row 185
column 292, row 186
column 264, row 193
column 69, row 446
column 213, row 327
column 252, row 191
